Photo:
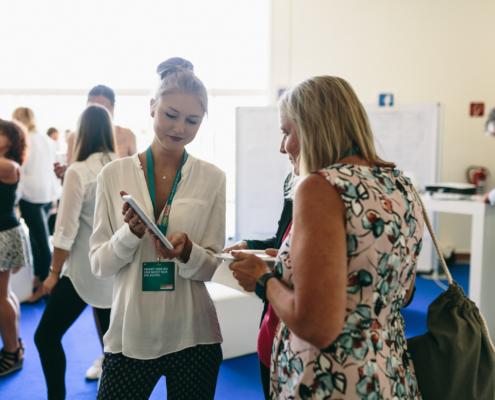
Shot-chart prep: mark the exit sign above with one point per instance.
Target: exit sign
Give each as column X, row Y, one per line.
column 476, row 109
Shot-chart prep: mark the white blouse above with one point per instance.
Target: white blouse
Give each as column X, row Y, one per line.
column 38, row 182
column 74, row 226
column 147, row 325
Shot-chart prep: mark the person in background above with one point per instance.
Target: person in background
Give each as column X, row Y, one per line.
column 38, row 189
column 53, row 134
column 348, row 265
column 15, row 252
column 124, row 138
column 489, row 197
column 269, row 320
column 125, row 146
column 163, row 320
column 71, row 284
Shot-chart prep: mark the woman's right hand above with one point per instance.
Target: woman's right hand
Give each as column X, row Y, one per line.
column 242, row 245
column 59, row 170
column 50, row 282
column 136, row 225
column 271, row 252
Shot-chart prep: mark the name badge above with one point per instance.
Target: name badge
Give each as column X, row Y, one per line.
column 158, row 276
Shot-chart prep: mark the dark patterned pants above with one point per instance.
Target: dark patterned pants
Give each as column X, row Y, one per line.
column 191, row 374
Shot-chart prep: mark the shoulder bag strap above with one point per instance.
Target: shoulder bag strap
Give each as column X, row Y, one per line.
column 444, row 264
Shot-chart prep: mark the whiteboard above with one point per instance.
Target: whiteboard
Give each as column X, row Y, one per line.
column 260, row 172
column 407, row 135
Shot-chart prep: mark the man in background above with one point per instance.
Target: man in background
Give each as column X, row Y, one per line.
column 125, row 140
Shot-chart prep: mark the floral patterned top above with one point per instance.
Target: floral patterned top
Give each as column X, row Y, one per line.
column 369, row 359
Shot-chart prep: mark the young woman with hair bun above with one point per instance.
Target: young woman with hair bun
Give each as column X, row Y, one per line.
column 163, row 320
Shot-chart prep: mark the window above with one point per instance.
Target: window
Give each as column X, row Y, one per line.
column 53, row 51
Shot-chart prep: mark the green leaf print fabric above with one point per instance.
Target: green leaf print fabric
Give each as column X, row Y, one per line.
column 369, row 358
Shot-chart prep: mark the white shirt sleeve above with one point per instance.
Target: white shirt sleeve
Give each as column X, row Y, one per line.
column 109, row 251
column 202, row 263
column 69, row 210
column 491, row 197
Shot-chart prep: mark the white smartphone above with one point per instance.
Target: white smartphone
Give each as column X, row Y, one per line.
column 147, row 221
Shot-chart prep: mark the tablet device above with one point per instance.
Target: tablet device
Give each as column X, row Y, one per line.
column 259, row 253
column 147, row 221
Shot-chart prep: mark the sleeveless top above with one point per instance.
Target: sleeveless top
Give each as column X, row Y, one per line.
column 368, row 360
column 8, row 219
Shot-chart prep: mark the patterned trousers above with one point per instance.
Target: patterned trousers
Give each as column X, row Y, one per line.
column 191, row 374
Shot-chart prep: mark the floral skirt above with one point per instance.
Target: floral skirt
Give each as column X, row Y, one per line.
column 15, row 250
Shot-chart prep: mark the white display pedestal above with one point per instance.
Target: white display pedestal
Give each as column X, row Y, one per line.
column 239, row 317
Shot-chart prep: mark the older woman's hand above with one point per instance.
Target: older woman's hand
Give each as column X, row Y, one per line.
column 247, row 269
column 242, row 245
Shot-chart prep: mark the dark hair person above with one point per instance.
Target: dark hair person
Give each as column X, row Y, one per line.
column 163, row 319
column 53, row 133
column 15, row 252
column 71, row 284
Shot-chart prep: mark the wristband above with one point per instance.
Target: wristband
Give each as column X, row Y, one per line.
column 260, row 289
column 54, row 272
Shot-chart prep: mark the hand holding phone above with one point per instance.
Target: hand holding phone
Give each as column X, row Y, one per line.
column 147, row 221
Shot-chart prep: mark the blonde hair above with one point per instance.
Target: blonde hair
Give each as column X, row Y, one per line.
column 177, row 75
column 25, row 116
column 331, row 123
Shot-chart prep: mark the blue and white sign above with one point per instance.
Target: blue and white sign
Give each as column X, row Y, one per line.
column 386, row 99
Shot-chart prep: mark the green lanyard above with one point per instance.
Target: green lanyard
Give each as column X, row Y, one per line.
column 151, row 184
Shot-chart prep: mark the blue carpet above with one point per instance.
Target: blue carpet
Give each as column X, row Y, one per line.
column 426, row 291
column 238, row 379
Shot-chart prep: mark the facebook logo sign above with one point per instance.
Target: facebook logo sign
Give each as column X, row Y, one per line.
column 386, row 99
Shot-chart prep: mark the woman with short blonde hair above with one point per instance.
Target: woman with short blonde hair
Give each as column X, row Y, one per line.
column 25, row 116
column 334, row 129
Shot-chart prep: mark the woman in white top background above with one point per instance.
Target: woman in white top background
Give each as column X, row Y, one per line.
column 70, row 281
column 163, row 320
column 38, row 189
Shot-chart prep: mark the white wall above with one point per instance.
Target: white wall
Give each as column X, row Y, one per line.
column 421, row 50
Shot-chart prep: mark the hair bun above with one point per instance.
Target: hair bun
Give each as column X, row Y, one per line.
column 174, row 65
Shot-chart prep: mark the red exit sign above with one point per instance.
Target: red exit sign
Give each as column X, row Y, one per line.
column 476, row 109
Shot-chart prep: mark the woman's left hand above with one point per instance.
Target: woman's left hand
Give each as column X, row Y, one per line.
column 182, row 246
column 247, row 269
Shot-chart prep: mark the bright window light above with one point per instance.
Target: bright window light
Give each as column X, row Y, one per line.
column 54, row 51
column 73, row 44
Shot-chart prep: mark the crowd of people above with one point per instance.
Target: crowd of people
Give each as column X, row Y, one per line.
column 346, row 249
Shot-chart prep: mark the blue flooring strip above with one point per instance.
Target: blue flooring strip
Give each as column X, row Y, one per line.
column 238, row 379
